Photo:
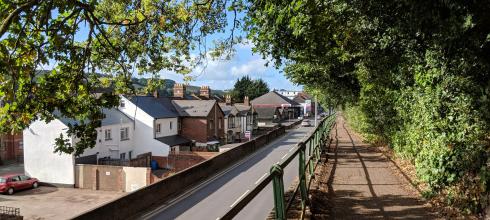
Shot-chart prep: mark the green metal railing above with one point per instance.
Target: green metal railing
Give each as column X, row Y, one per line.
column 309, row 151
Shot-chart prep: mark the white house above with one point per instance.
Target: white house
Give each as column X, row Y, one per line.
column 156, row 125
column 115, row 137
column 41, row 162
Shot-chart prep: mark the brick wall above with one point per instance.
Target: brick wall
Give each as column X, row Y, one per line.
column 195, row 129
column 183, row 160
column 171, row 187
column 199, row 129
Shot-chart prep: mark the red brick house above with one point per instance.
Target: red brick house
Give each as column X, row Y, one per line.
column 201, row 121
column 11, row 147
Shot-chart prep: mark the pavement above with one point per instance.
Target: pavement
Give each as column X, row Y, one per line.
column 361, row 183
column 56, row 203
column 211, row 199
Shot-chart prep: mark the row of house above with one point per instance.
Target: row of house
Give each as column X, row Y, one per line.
column 157, row 125
column 140, row 125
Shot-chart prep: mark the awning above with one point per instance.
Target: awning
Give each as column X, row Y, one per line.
column 174, row 140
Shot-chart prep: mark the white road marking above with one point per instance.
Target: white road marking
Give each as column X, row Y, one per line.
column 191, row 191
column 262, row 177
column 237, row 200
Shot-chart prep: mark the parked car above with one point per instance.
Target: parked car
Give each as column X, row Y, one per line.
column 305, row 123
column 15, row 182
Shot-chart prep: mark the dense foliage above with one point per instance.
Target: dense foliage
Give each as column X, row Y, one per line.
column 415, row 74
column 78, row 39
column 246, row 86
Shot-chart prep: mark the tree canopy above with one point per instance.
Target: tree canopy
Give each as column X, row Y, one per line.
column 414, row 74
column 93, row 44
column 246, row 86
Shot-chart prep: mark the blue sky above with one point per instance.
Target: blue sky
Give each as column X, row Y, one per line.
column 222, row 74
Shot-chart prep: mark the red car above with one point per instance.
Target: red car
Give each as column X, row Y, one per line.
column 13, row 182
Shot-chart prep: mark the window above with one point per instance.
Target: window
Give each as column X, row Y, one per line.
column 211, row 124
column 171, row 125
column 158, row 128
column 24, row 178
column 130, row 155
column 15, row 179
column 122, row 104
column 122, row 156
column 21, row 144
column 124, row 134
column 219, row 123
column 107, row 134
column 230, row 124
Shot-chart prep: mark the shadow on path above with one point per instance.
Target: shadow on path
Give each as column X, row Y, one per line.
column 358, row 183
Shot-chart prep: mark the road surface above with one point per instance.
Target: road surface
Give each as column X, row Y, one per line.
column 211, row 199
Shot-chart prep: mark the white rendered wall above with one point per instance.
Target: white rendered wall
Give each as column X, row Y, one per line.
column 143, row 133
column 113, row 148
column 165, row 127
column 40, row 161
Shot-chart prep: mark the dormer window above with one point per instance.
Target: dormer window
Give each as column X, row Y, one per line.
column 122, row 104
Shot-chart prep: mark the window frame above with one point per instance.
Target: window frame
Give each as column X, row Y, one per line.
column 124, row 130
column 108, row 134
column 158, row 128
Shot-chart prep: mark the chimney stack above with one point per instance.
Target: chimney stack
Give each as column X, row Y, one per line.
column 205, row 91
column 179, row 90
column 246, row 101
column 156, row 94
column 228, row 99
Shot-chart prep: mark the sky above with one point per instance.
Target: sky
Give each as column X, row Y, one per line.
column 222, row 74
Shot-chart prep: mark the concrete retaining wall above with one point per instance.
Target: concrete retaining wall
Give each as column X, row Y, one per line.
column 133, row 204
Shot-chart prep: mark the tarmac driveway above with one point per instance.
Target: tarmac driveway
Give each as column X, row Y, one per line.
column 56, row 203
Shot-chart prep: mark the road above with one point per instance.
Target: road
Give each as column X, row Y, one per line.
column 212, row 198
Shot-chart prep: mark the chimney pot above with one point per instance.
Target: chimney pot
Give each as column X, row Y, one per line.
column 246, row 101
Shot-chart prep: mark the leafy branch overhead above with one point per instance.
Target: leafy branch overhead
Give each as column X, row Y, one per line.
column 414, row 74
column 92, row 44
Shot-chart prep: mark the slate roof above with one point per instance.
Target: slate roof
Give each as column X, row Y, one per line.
column 156, row 107
column 226, row 109
column 243, row 109
column 229, row 109
column 266, row 113
column 302, row 97
column 112, row 117
column 273, row 98
column 193, row 108
column 174, row 140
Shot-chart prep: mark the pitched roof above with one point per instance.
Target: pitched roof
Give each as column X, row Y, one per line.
column 160, row 107
column 273, row 98
column 266, row 113
column 243, row 109
column 111, row 117
column 193, row 108
column 229, row 109
column 302, row 97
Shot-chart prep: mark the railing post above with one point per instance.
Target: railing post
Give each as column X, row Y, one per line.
column 278, row 187
column 302, row 175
